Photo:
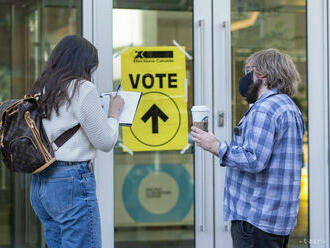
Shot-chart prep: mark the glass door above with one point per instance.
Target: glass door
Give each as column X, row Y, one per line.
column 155, row 189
column 154, row 161
column 240, row 29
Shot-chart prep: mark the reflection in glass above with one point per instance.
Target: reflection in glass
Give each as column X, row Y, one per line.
column 28, row 31
column 258, row 25
column 158, row 192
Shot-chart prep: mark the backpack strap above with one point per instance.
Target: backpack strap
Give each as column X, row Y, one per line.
column 64, row 137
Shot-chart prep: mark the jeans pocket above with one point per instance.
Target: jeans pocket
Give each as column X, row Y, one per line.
column 58, row 194
column 89, row 178
column 89, row 184
column 246, row 228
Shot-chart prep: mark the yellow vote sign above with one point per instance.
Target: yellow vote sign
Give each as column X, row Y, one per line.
column 161, row 121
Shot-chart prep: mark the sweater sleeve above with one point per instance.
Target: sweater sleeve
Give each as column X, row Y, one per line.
column 101, row 131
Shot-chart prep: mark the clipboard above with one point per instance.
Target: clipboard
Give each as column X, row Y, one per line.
column 132, row 101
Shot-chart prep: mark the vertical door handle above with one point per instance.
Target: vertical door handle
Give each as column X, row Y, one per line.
column 201, row 25
column 226, row 26
column 202, row 227
column 221, row 118
column 227, row 83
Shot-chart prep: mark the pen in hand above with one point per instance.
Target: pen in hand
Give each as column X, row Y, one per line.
column 116, row 105
column 118, row 88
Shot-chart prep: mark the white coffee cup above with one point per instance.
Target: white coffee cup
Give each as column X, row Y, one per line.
column 200, row 116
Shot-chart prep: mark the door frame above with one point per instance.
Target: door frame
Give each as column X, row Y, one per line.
column 222, row 109
column 318, row 117
column 203, row 95
column 97, row 28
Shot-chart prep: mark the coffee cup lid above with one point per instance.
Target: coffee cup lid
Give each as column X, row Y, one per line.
column 200, row 108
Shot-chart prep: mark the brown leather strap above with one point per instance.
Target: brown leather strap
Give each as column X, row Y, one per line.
column 64, row 137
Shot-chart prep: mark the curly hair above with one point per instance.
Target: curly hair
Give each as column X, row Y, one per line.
column 278, row 69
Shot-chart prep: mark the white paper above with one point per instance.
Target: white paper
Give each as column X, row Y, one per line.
column 131, row 100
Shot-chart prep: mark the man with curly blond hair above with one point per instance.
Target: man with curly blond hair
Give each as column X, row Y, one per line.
column 264, row 159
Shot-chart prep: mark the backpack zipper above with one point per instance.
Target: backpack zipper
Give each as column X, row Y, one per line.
column 36, row 134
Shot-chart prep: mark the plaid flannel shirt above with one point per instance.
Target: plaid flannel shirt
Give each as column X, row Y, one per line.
column 264, row 162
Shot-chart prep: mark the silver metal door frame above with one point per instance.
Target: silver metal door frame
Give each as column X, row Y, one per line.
column 203, row 95
column 97, row 28
column 222, row 109
column 318, row 100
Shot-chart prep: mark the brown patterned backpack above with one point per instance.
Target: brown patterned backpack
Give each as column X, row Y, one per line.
column 24, row 144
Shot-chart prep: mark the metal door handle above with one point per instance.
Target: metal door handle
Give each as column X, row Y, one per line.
column 226, row 26
column 201, row 25
column 227, row 83
column 221, row 118
column 202, row 227
column 202, row 212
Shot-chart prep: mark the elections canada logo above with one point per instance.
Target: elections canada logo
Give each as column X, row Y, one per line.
column 153, row 56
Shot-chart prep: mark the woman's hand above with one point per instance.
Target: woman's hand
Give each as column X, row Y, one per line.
column 116, row 106
column 205, row 140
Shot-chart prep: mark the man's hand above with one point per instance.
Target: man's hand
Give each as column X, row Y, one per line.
column 205, row 140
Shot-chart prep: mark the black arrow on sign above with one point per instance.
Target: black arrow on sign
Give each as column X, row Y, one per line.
column 154, row 112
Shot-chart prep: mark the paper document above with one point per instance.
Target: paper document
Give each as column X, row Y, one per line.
column 131, row 99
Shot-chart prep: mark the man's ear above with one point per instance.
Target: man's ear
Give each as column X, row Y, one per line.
column 260, row 76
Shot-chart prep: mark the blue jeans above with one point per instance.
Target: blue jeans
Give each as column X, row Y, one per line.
column 64, row 198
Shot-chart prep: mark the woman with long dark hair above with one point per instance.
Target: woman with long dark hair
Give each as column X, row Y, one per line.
column 64, row 194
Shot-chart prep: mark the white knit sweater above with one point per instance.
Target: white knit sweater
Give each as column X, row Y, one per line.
column 96, row 131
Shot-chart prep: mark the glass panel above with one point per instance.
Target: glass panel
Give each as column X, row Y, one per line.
column 258, row 25
column 5, row 76
column 28, row 31
column 153, row 23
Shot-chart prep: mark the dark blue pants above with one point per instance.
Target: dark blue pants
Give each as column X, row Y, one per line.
column 245, row 235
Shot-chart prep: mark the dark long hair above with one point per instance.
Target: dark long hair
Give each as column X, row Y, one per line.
column 73, row 58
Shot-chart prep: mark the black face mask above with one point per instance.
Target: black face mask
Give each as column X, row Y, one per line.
column 244, row 83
